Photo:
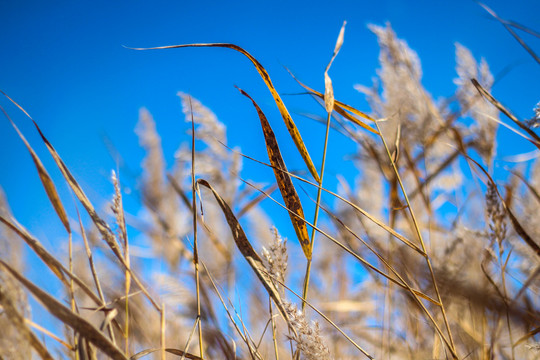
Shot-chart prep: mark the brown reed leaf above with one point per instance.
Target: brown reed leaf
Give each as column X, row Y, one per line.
column 286, row 186
column 64, row 314
column 44, row 176
column 245, row 248
column 291, row 126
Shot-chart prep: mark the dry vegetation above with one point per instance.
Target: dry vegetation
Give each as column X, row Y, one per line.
column 422, row 256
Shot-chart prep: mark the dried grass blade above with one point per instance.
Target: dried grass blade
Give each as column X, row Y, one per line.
column 101, row 225
column 246, row 249
column 44, row 176
column 505, row 111
column 286, row 186
column 56, row 267
column 354, row 206
column 507, row 24
column 530, row 334
column 349, row 251
column 291, row 126
column 18, row 321
column 68, row 317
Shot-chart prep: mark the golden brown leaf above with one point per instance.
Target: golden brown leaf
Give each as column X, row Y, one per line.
column 286, row 186
column 291, row 126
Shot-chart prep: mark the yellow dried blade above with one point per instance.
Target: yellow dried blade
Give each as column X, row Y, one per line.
column 291, row 126
column 286, row 187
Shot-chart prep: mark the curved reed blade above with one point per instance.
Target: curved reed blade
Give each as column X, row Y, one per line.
column 286, row 187
column 68, row 317
column 44, row 176
column 505, row 111
column 243, row 244
column 291, row 126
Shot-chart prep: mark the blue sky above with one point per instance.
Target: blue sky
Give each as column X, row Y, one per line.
column 65, row 63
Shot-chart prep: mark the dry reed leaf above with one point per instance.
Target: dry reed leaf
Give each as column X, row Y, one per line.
column 18, row 321
column 342, row 108
column 286, row 186
column 176, row 352
column 56, row 266
column 506, row 112
column 51, row 262
column 350, row 203
column 507, row 25
column 44, row 176
column 246, row 249
column 291, row 126
column 101, row 225
column 530, row 334
column 346, row 249
column 64, row 314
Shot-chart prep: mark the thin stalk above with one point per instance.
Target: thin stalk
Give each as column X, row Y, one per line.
column 195, row 248
column 72, row 293
column 127, row 288
column 162, row 327
column 420, row 238
column 274, row 338
column 316, row 217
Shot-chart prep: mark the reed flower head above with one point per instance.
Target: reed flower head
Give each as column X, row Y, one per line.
column 308, row 335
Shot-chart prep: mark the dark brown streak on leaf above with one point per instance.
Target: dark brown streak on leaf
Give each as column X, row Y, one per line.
column 68, row 317
column 286, row 186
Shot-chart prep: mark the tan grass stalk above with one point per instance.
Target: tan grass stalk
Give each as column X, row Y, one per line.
column 195, row 242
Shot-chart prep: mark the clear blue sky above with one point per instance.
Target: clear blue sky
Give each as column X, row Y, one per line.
column 64, row 62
